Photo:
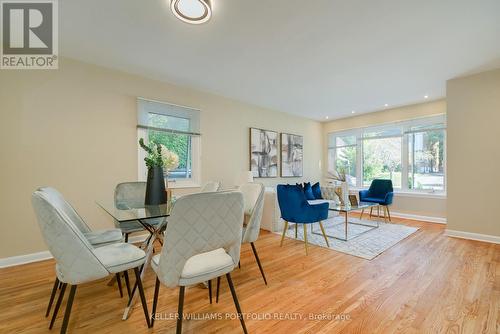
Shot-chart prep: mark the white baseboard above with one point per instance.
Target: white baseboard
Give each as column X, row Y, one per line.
column 45, row 255
column 438, row 220
column 23, row 259
column 473, row 236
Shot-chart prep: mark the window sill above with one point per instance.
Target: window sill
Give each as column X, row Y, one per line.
column 400, row 193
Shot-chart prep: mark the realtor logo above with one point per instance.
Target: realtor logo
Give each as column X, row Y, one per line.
column 29, row 34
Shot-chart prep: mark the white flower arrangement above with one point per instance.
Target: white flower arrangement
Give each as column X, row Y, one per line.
column 170, row 159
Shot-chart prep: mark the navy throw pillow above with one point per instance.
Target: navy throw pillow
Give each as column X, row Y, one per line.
column 316, row 189
column 308, row 191
column 300, row 186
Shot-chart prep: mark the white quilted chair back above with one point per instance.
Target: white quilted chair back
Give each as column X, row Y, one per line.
column 210, row 186
column 130, row 195
column 253, row 196
column 76, row 262
column 200, row 223
column 68, row 209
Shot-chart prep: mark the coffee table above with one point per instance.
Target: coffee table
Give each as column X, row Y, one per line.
column 349, row 208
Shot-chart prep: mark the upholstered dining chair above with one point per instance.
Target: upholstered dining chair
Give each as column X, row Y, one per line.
column 130, row 195
column 202, row 242
column 253, row 198
column 380, row 192
column 210, row 186
column 295, row 209
column 77, row 261
column 95, row 238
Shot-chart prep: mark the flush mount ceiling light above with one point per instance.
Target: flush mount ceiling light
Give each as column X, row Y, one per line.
column 192, row 11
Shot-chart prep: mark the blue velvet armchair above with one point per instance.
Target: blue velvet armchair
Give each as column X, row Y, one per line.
column 295, row 209
column 380, row 192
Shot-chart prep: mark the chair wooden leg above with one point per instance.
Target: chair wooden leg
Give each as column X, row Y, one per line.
column 155, row 302
column 141, row 294
column 69, row 305
column 218, row 287
column 284, row 231
column 324, row 234
column 236, row 303
column 385, row 216
column 361, row 215
column 378, row 211
column 58, row 305
column 52, row 296
column 179, row 310
column 371, row 212
column 127, row 282
column 388, row 214
column 126, row 237
column 305, row 237
column 296, row 228
column 258, row 262
column 210, row 291
column 119, row 281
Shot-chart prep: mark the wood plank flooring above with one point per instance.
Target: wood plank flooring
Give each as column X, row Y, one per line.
column 428, row 283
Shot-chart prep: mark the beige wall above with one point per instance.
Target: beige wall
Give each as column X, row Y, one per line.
column 429, row 206
column 75, row 129
column 474, row 153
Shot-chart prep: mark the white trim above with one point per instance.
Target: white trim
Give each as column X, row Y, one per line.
column 24, row 259
column 45, row 255
column 473, row 236
column 430, row 219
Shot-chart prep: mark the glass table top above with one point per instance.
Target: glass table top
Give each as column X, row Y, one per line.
column 122, row 213
column 349, row 207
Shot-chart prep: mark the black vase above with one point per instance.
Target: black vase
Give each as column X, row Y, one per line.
column 155, row 188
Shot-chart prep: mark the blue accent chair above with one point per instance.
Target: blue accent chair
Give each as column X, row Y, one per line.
column 380, row 192
column 295, row 209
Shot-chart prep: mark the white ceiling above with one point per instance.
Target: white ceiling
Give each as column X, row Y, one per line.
column 313, row 58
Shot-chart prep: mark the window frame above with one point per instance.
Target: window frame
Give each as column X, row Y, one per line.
column 404, row 127
column 178, row 111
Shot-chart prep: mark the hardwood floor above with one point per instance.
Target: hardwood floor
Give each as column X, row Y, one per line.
column 428, row 283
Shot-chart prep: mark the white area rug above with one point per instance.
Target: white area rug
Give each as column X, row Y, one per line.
column 367, row 245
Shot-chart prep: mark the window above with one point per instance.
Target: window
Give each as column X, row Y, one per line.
column 412, row 154
column 175, row 127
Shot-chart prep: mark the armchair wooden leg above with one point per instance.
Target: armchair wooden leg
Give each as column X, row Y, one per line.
column 385, row 216
column 284, row 231
column 58, row 305
column 324, row 234
column 52, row 296
column 305, row 237
column 69, row 305
column 179, row 309
column 296, row 228
column 388, row 214
column 371, row 212
column 258, row 262
column 155, row 302
column 236, row 303
column 141, row 294
column 217, row 292
column 361, row 215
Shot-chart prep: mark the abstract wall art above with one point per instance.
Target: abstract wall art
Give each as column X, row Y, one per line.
column 263, row 153
column 291, row 155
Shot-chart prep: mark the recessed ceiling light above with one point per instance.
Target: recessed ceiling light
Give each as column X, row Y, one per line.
column 426, row 96
column 192, row 11
column 353, row 112
column 386, row 105
column 326, row 117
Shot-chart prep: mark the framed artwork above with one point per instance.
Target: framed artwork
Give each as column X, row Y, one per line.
column 292, row 147
column 263, row 153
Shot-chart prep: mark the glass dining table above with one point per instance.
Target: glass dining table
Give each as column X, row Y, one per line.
column 144, row 215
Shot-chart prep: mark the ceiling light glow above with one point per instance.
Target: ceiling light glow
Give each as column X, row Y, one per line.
column 192, row 11
column 426, row 96
column 386, row 105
